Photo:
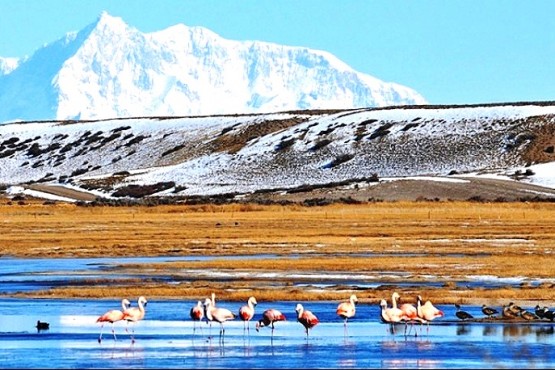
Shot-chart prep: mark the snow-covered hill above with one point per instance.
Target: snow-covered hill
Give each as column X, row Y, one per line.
column 112, row 70
column 257, row 152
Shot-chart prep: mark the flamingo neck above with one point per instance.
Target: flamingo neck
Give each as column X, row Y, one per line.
column 394, row 301
column 209, row 311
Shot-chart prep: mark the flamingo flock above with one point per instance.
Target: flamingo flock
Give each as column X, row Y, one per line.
column 208, row 311
column 408, row 313
column 399, row 312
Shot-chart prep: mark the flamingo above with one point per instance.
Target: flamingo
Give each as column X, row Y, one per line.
column 408, row 309
column 347, row 309
column 246, row 313
column 113, row 316
column 218, row 314
column 306, row 318
column 197, row 314
column 391, row 315
column 427, row 312
column 410, row 313
column 269, row 317
column 134, row 315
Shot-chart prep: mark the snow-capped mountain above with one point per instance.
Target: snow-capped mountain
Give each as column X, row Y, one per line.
column 284, row 151
column 112, row 70
column 7, row 65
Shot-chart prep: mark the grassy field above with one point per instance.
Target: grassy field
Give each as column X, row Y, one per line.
column 415, row 242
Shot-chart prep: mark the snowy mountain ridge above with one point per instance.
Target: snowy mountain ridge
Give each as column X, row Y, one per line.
column 209, row 155
column 111, row 70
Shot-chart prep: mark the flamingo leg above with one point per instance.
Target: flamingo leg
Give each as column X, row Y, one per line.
column 100, row 337
column 222, row 332
column 114, row 332
column 132, row 332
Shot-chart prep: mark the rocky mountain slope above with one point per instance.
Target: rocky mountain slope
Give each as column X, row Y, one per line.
column 288, row 152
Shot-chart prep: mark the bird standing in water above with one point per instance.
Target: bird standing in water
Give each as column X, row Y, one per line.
column 269, row 317
column 463, row 315
column 134, row 315
column 41, row 325
column 540, row 311
column 218, row 314
column 306, row 318
column 488, row 311
column 197, row 314
column 246, row 313
column 347, row 310
column 113, row 316
column 427, row 311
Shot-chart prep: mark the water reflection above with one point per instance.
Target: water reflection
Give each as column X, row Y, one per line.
column 516, row 330
column 489, row 331
column 545, row 332
column 463, row 329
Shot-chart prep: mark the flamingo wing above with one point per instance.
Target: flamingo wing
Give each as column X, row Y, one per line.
column 245, row 313
column 308, row 319
column 345, row 309
column 111, row 316
column 133, row 314
column 222, row 314
column 409, row 311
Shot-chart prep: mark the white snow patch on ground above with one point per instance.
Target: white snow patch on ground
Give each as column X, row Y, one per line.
column 17, row 190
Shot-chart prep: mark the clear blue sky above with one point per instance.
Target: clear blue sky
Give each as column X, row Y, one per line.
column 450, row 51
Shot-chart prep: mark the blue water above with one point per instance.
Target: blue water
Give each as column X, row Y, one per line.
column 166, row 339
column 28, row 275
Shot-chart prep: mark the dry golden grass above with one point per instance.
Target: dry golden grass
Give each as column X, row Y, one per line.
column 449, row 240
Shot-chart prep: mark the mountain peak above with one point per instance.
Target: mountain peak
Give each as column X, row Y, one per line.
column 107, row 21
column 112, row 70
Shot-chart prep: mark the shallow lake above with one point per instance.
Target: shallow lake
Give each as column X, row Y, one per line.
column 166, row 339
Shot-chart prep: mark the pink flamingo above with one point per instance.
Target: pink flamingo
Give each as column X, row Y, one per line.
column 427, row 312
column 408, row 309
column 410, row 312
column 218, row 314
column 134, row 315
column 346, row 310
column 269, row 317
column 197, row 314
column 306, row 318
column 391, row 315
column 112, row 316
column 246, row 313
